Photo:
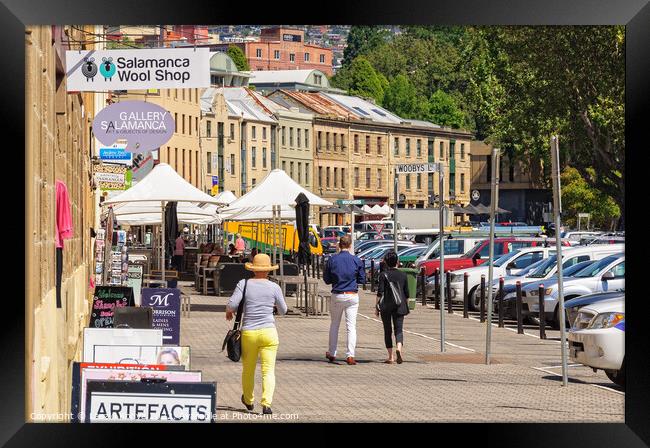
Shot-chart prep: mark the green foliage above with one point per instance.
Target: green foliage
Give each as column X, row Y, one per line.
column 239, row 58
column 402, row 98
column 579, row 197
column 123, row 44
column 360, row 40
column 443, row 110
column 361, row 79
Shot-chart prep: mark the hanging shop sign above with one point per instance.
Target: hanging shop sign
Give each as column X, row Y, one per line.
column 137, row 69
column 144, row 126
column 142, row 165
column 112, row 177
column 116, row 154
column 166, row 305
column 143, row 354
column 105, row 300
column 126, row 401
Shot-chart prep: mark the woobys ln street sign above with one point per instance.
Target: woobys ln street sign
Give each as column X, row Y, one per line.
column 417, row 168
column 162, row 68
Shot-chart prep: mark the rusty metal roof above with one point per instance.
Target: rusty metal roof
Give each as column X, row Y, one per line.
column 320, row 104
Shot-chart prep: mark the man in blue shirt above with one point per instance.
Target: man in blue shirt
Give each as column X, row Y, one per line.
column 344, row 272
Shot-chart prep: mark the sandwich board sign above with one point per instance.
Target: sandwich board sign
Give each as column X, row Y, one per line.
column 166, row 305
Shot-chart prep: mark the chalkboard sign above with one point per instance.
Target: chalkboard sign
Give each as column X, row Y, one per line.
column 166, row 304
column 106, row 299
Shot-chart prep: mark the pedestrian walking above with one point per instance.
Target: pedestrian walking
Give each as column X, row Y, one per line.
column 259, row 337
column 392, row 305
column 179, row 252
column 344, row 272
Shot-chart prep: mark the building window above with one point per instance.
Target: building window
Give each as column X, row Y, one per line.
column 273, row 157
column 284, row 166
column 299, row 172
column 336, row 177
column 298, row 137
column 322, row 58
column 418, row 181
column 183, row 124
column 378, row 145
column 419, row 148
column 290, row 136
column 396, row 146
column 367, row 177
column 306, row 173
column 452, row 149
column 442, row 150
column 232, row 131
column 408, row 181
column 209, row 162
column 336, row 144
column 264, row 133
column 356, row 177
column 189, row 124
column 263, row 157
column 291, row 170
column 318, row 79
column 356, row 143
column 379, row 179
column 367, row 144
column 175, row 122
column 189, row 157
column 258, row 53
column 319, row 141
column 276, row 54
column 253, row 182
column 342, row 177
column 462, row 182
column 176, row 160
column 292, row 57
column 232, row 164
column 462, row 151
column 183, row 162
column 183, row 94
column 253, row 132
column 342, row 141
column 452, row 184
column 430, row 183
column 253, row 156
column 327, row 141
column 320, row 176
column 307, row 138
column 284, row 135
column 306, row 57
column 327, row 177
column 408, row 147
column 208, row 129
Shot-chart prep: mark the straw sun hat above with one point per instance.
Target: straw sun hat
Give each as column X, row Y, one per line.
column 261, row 262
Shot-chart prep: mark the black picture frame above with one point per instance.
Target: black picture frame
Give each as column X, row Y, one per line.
column 634, row 13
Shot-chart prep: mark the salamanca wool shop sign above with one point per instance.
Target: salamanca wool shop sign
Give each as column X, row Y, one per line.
column 161, row 68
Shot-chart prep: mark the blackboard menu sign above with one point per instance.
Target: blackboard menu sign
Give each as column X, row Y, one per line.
column 106, row 299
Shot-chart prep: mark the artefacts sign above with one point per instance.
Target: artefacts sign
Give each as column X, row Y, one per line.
column 166, row 305
column 144, row 126
column 105, row 300
column 137, row 69
column 417, row 168
column 124, row 401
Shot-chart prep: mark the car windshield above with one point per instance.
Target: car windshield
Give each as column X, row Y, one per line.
column 596, row 268
column 411, row 251
column 573, row 270
column 530, row 268
column 504, row 258
column 370, row 253
column 544, row 268
column 477, row 247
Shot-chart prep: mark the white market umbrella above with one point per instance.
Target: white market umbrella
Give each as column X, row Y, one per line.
column 163, row 184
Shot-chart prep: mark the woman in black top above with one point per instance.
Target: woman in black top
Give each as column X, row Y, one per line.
column 390, row 307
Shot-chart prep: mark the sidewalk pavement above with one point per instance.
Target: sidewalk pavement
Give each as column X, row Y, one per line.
column 455, row 386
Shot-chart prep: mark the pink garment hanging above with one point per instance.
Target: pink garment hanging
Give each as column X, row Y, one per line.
column 63, row 219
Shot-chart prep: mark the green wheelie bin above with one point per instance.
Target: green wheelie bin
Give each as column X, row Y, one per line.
column 412, row 281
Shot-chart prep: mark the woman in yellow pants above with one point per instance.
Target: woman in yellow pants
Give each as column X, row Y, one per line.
column 259, row 336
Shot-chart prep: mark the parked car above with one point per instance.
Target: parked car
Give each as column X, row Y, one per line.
column 608, row 274
column 510, row 263
column 479, row 254
column 408, row 256
column 597, row 339
column 332, row 233
column 344, row 229
column 374, row 226
column 574, row 236
column 510, row 290
column 365, row 236
column 573, row 306
column 454, row 247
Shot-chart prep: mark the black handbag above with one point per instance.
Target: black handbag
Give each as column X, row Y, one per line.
column 232, row 341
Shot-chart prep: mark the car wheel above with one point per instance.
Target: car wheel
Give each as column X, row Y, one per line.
column 617, row 376
column 475, row 299
column 556, row 321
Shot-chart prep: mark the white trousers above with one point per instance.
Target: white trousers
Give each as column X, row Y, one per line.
column 348, row 304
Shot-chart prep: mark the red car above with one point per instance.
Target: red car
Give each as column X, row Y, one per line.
column 480, row 253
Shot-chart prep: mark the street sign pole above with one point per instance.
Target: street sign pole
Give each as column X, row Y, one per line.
column 493, row 205
column 395, row 213
column 441, row 235
column 352, row 226
column 557, row 210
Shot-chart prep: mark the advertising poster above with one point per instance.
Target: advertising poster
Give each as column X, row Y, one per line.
column 142, row 354
column 126, row 401
column 110, row 177
column 91, row 374
column 118, row 336
column 116, row 154
column 166, row 305
column 134, row 281
column 105, row 300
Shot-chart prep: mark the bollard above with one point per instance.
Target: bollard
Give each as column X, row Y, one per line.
column 501, row 302
column 520, row 327
column 448, row 292
column 423, row 285
column 465, row 296
column 482, row 298
column 318, row 262
column 542, row 314
column 372, row 275
column 436, row 288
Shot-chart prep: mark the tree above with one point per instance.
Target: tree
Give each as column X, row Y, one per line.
column 443, row 110
column 359, row 78
column 579, row 197
column 402, row 98
column 362, row 39
column 239, row 58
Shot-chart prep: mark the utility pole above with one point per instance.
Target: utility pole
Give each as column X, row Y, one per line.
column 494, row 200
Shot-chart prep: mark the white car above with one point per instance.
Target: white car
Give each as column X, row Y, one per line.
column 608, row 274
column 510, row 263
column 597, row 338
column 454, row 248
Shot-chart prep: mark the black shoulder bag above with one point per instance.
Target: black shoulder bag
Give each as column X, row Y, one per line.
column 232, row 341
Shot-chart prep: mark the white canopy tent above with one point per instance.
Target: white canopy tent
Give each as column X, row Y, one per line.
column 226, row 197
column 162, row 185
column 276, row 193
